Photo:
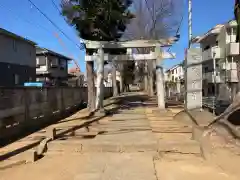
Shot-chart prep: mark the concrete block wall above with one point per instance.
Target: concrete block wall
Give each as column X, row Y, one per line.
column 24, row 107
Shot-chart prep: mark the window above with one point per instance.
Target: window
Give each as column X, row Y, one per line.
column 40, row 79
column 14, row 45
column 63, row 63
column 41, row 60
column 16, row 79
column 37, row 61
column 30, row 79
column 205, row 69
column 234, row 31
column 172, row 78
column 229, row 31
column 54, row 62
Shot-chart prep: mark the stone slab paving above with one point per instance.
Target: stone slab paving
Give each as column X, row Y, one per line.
column 94, row 166
column 123, row 133
column 126, row 148
column 191, row 169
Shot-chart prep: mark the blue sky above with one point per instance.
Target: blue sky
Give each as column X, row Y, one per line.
column 25, row 20
column 206, row 14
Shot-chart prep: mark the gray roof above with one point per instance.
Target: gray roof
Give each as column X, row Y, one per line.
column 12, row 35
column 40, row 51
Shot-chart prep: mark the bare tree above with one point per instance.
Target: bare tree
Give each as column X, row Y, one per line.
column 155, row 19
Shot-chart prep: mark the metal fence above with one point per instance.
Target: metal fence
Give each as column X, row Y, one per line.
column 209, row 102
column 20, row 107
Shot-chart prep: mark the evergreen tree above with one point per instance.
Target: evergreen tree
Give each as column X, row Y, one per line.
column 98, row 20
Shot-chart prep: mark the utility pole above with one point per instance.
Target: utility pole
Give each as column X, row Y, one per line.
column 193, row 70
column 189, row 23
column 189, row 46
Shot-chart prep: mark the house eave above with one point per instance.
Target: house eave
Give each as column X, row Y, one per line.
column 15, row 36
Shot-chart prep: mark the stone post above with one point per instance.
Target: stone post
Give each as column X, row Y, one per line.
column 90, row 85
column 160, row 80
column 114, row 80
column 100, row 77
column 193, row 79
column 150, row 78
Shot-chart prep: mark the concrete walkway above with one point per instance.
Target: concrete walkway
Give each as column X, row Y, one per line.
column 134, row 142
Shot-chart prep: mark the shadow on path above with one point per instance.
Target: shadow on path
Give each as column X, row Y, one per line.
column 122, row 102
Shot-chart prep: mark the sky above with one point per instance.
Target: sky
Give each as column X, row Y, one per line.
column 24, row 19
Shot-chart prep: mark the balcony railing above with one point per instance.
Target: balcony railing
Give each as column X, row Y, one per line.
column 228, row 66
column 231, row 75
column 232, row 49
column 210, row 78
column 209, row 102
column 209, row 54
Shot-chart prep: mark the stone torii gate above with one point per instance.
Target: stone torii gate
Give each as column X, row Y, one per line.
column 157, row 55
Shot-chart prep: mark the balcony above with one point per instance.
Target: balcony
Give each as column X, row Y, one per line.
column 231, row 76
column 208, row 54
column 209, row 77
column 228, row 66
column 232, row 49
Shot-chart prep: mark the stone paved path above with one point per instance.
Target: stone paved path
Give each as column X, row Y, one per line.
column 135, row 142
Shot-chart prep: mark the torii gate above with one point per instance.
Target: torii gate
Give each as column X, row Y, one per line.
column 158, row 55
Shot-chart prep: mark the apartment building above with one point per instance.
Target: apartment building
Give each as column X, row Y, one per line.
column 17, row 59
column 51, row 67
column 220, row 53
column 175, row 74
column 174, row 78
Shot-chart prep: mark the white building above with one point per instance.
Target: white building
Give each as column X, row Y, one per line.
column 220, row 53
column 175, row 74
column 174, row 78
column 51, row 66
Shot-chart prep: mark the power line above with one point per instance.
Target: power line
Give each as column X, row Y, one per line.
column 59, row 11
column 42, row 27
column 56, row 6
column 56, row 26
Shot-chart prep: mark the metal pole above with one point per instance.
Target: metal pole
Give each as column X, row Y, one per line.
column 189, row 23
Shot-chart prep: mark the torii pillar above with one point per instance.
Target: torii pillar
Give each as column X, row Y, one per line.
column 160, row 79
column 100, row 78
